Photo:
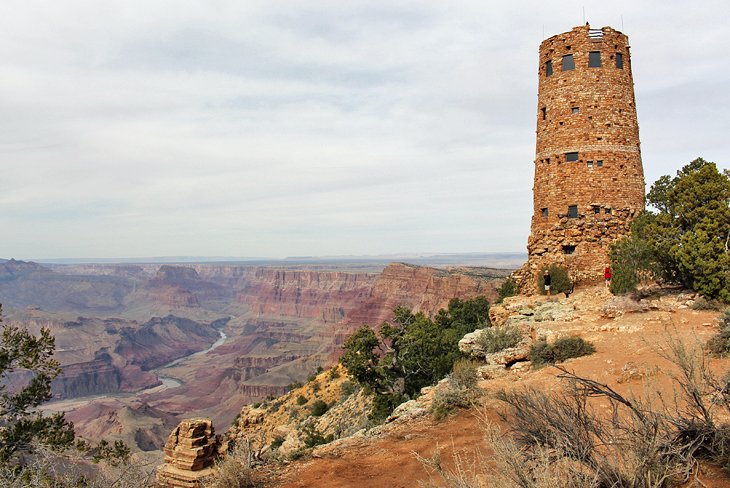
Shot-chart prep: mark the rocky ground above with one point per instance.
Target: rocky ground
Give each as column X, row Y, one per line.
column 628, row 335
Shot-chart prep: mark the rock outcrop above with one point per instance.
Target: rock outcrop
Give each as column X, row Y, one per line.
column 190, row 455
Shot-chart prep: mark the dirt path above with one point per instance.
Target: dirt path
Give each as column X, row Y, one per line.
column 390, row 461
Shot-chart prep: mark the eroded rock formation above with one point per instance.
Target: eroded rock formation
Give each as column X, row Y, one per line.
column 190, row 454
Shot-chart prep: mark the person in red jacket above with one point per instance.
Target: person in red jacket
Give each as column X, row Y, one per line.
column 607, row 276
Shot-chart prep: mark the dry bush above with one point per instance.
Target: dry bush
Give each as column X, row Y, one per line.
column 235, row 470
column 542, row 353
column 460, row 391
column 495, row 339
column 49, row 468
column 719, row 344
column 560, row 440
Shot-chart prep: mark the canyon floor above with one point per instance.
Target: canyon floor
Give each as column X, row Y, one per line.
column 631, row 342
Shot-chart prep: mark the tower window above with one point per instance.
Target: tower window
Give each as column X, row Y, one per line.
column 575, row 110
column 589, row 164
column 544, row 113
column 544, row 212
column 568, row 63
column 571, row 156
column 548, row 68
column 568, row 249
column 608, row 211
column 596, row 209
column 619, row 61
column 594, row 59
column 573, row 211
column 599, row 163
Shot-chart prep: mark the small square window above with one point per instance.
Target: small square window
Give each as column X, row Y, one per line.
column 568, row 249
column 575, row 110
column 594, row 59
column 573, row 212
column 596, row 209
column 589, row 164
column 599, row 163
column 548, row 68
column 568, row 63
column 608, row 211
column 619, row 61
column 545, row 212
column 571, row 156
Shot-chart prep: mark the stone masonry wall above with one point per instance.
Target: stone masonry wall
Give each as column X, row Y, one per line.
column 590, row 111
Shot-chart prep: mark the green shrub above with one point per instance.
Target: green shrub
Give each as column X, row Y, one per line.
column 347, row 389
column 333, row 373
column 294, row 385
column 420, row 351
column 301, row 400
column 383, row 405
column 276, row 443
column 495, row 339
column 703, row 303
column 542, row 353
column 508, row 288
column 719, row 344
column 312, row 437
column 559, row 278
column 319, row 408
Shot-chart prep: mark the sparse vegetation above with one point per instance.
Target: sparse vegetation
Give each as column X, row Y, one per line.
column 313, row 437
column 347, row 389
column 719, row 344
column 703, row 303
column 542, row 353
column 313, row 376
column 301, row 400
column 294, row 385
column 276, row 443
column 559, row 278
column 333, row 373
column 461, row 391
column 236, row 470
column 495, row 339
column 563, row 440
column 319, row 408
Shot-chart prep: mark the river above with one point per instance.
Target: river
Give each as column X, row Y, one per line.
column 167, row 383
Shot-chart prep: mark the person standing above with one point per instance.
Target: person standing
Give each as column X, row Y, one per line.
column 547, row 281
column 607, row 276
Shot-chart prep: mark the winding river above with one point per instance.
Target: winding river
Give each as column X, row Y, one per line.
column 167, row 383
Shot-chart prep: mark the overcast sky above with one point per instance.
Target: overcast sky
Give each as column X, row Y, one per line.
column 266, row 128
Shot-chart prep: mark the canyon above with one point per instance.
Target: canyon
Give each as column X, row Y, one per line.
column 144, row 345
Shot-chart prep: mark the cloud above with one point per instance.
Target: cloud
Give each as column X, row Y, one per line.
column 271, row 128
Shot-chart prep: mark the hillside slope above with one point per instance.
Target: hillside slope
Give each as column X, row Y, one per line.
column 628, row 336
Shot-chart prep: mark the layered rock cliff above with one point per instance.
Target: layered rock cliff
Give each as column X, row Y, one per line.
column 418, row 288
column 321, row 295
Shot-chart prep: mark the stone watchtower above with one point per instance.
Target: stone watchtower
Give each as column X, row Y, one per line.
column 589, row 182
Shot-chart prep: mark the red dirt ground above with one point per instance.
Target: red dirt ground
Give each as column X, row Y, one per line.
column 627, row 359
